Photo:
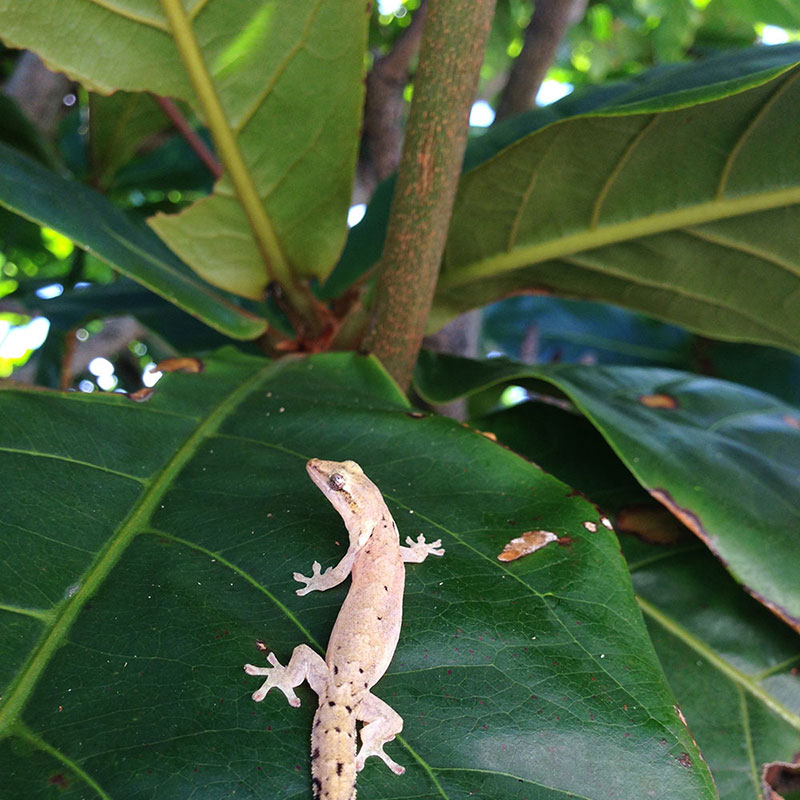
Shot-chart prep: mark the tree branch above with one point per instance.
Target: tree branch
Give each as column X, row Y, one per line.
column 39, row 92
column 551, row 18
column 451, row 54
column 382, row 136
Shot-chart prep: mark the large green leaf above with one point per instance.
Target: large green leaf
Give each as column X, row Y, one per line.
column 688, row 215
column 728, row 660
column 722, row 457
column 88, row 218
column 270, row 65
column 152, row 544
column 731, row 666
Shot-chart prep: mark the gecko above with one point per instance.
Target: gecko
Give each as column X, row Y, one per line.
column 363, row 639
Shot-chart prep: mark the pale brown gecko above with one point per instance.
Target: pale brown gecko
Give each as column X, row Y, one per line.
column 363, row 639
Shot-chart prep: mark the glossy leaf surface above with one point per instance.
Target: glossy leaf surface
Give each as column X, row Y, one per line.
column 270, row 65
column 153, row 544
column 732, row 664
column 722, row 457
column 93, row 222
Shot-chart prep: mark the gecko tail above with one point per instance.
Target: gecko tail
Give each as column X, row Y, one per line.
column 333, row 752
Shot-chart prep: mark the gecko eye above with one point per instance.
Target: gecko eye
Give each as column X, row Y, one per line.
column 336, row 481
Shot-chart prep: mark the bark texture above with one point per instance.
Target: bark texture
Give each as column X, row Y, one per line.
column 451, row 54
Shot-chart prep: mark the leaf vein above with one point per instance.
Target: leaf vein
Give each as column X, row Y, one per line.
column 727, row 167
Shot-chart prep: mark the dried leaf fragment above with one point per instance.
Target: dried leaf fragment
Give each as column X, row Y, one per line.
column 780, row 778
column 185, row 364
column 658, row 401
column 529, row 542
column 654, row 524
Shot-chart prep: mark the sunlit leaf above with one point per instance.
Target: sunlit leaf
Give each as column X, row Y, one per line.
column 270, row 65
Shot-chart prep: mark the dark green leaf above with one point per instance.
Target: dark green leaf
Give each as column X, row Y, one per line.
column 730, row 663
column 153, row 544
column 553, row 329
column 17, row 131
column 722, row 457
column 118, row 125
column 661, row 89
column 86, row 217
column 556, row 330
column 569, row 447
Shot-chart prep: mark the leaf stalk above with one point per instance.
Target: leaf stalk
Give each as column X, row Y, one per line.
column 276, row 266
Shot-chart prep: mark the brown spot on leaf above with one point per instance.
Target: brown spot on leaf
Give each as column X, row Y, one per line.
column 792, row 422
column 59, row 780
column 529, row 542
column 653, row 524
column 416, row 414
column 141, row 395
column 658, row 401
column 779, row 779
column 685, row 760
column 261, row 646
column 183, row 364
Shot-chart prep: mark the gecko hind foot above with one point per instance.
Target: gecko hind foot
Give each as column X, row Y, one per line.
column 275, row 680
column 364, row 754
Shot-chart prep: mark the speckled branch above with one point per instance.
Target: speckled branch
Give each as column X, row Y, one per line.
column 450, row 58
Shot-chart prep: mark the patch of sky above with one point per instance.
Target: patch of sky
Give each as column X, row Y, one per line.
column 50, row 291
column 551, row 90
column 772, row 34
column 387, row 7
column 481, row 115
column 103, row 371
column 150, row 375
column 513, row 395
column 16, row 340
column 356, row 214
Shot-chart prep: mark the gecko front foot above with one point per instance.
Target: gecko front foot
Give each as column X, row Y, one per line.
column 420, row 550
column 276, row 679
column 314, row 583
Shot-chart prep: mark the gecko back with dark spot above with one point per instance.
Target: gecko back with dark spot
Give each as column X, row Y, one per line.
column 333, row 767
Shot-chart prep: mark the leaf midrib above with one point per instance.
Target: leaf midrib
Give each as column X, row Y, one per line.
column 604, row 235
column 106, row 559
column 738, row 677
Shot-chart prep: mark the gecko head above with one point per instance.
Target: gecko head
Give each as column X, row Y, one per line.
column 350, row 492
